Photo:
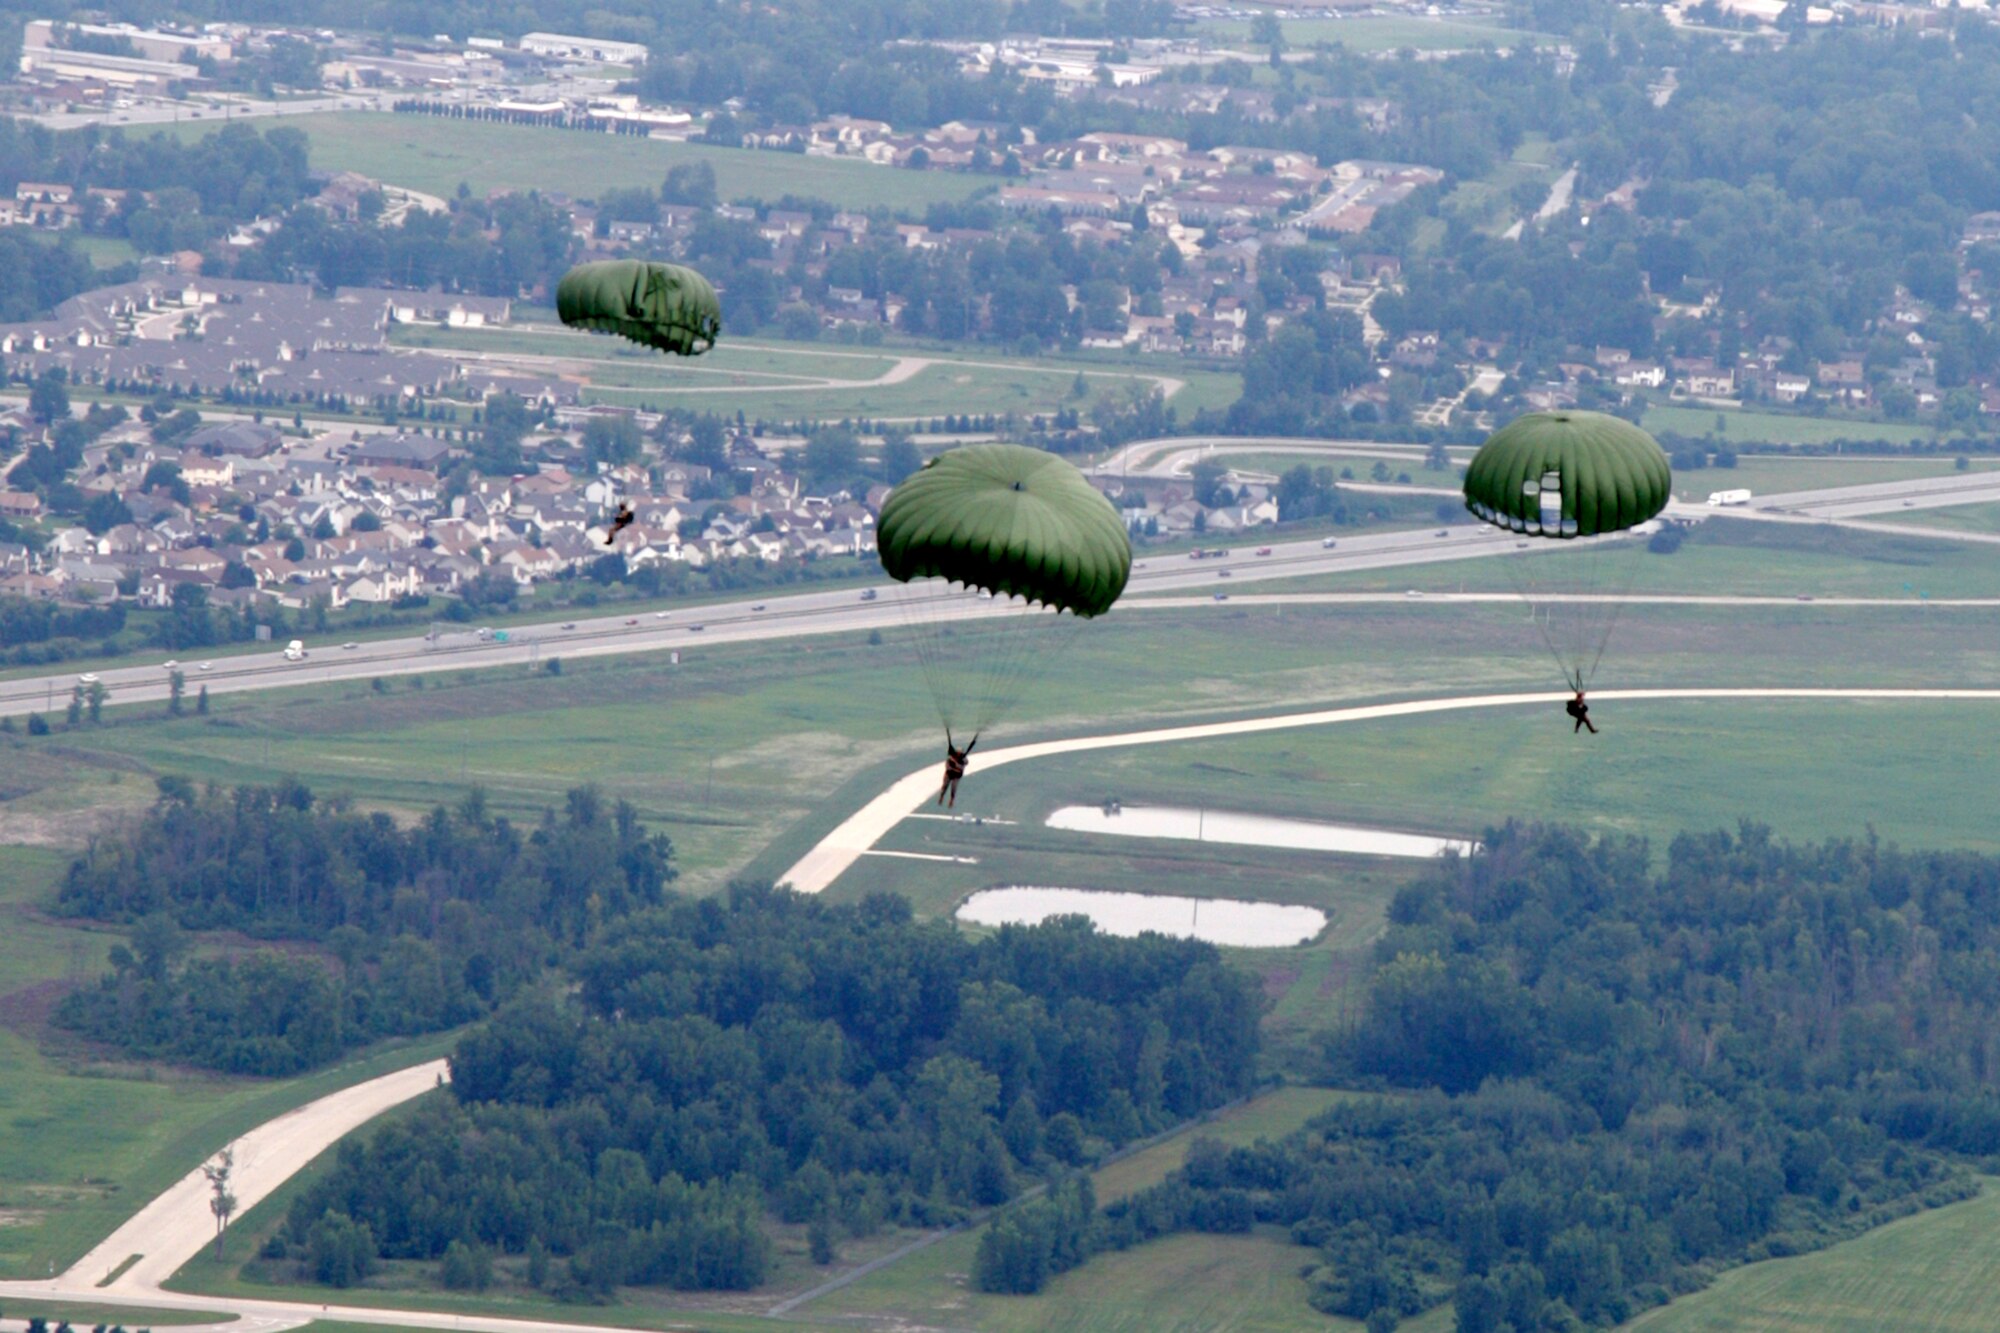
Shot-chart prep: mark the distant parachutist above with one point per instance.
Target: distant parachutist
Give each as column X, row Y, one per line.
column 954, row 769
column 1579, row 710
column 622, row 521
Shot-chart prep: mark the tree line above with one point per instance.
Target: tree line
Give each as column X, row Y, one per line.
column 1600, row 1084
column 413, row 930
column 765, row 1053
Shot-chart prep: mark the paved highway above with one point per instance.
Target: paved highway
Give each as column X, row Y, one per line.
column 827, row 611
column 1956, row 488
column 786, row 616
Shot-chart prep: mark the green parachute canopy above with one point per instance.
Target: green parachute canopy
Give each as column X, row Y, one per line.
column 1568, row 474
column 661, row 305
column 1008, row 520
column 1564, row 475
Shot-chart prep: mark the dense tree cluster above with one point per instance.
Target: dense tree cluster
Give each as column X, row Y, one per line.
column 1634, row 1078
column 843, row 1066
column 427, row 926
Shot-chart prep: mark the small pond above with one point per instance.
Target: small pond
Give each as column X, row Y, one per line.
column 1165, row 821
column 1226, row 921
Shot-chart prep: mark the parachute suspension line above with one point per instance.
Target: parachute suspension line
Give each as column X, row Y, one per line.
column 978, row 656
column 1575, row 625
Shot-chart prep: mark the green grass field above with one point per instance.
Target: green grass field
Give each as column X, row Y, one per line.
column 131, row 1316
column 435, row 155
column 102, row 251
column 1771, row 474
column 1936, row 1272
column 1486, row 203
column 770, row 378
column 1981, row 518
column 1753, row 427
column 1724, row 556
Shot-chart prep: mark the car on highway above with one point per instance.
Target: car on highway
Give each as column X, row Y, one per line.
column 1197, row 554
column 205, row 666
column 1222, row 597
column 1520, row 546
column 661, row 615
column 696, row 629
column 867, row 594
column 88, row 678
column 758, row 607
column 170, row 665
column 346, row 646
column 632, row 620
column 1413, row 593
column 1805, row 597
column 1223, row 573
column 1444, row 532
column 569, row 624
column 1328, row 543
column 1263, row 550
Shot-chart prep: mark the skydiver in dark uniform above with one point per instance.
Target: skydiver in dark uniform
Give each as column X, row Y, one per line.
column 1579, row 710
column 954, row 769
column 622, row 521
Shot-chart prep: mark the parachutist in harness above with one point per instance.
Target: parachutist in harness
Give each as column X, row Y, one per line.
column 622, row 521
column 954, row 769
column 1579, row 710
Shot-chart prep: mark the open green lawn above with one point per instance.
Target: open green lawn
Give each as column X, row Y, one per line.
column 102, row 251
column 1363, row 469
column 1936, row 1272
column 1983, row 518
column 1722, row 556
column 733, row 356
column 763, row 377
column 1772, row 474
column 131, row 1316
column 434, row 155
column 1753, row 427
column 1487, row 202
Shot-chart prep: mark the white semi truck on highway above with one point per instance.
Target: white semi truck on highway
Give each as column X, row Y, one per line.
column 1717, row 499
column 295, row 651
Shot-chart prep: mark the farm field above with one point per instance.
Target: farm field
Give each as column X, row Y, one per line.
column 1936, row 1272
column 434, row 155
column 1752, row 427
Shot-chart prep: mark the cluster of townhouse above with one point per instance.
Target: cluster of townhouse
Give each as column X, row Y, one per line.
column 368, row 518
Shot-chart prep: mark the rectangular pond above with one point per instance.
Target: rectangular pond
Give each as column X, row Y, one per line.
column 1165, row 821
